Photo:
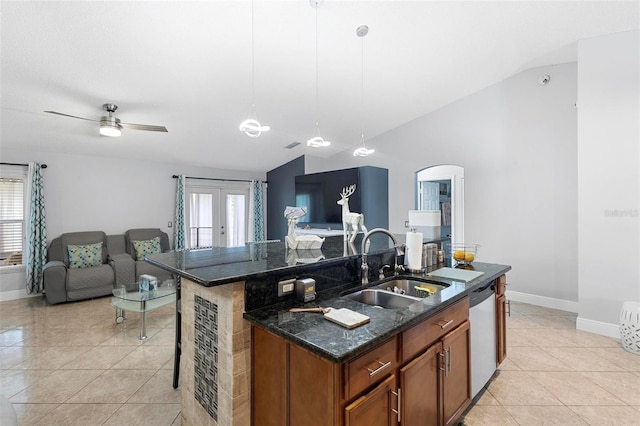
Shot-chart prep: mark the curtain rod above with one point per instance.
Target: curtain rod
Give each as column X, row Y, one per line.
column 222, row 180
column 44, row 166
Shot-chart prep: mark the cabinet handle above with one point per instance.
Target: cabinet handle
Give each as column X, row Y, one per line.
column 398, row 410
column 443, row 358
column 509, row 307
column 446, row 324
column 383, row 365
column 445, row 362
column 449, row 360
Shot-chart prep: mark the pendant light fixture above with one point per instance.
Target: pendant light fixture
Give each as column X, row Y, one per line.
column 251, row 126
column 362, row 151
column 317, row 141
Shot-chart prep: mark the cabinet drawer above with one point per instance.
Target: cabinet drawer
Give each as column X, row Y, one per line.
column 371, row 367
column 420, row 336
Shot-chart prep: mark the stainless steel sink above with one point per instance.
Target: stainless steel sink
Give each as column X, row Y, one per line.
column 413, row 287
column 382, row 298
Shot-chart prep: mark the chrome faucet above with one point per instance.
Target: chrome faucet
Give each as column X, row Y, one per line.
column 364, row 249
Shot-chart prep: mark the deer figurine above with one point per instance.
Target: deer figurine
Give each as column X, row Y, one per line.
column 351, row 222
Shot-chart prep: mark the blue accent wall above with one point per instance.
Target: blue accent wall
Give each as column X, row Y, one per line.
column 372, row 185
column 281, row 192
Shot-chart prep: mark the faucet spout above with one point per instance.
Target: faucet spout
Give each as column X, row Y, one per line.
column 364, row 250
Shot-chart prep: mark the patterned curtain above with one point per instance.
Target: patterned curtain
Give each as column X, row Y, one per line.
column 36, row 248
column 179, row 230
column 257, row 212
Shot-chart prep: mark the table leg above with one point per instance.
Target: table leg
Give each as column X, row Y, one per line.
column 143, row 325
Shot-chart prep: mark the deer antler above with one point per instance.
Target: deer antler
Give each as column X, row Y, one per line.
column 348, row 192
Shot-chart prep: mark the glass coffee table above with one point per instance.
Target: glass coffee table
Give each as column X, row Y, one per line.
column 143, row 302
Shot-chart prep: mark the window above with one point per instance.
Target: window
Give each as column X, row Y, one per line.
column 217, row 214
column 12, row 213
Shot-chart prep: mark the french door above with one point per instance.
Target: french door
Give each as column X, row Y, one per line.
column 217, row 215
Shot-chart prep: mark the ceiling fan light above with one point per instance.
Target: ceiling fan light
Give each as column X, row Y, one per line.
column 252, row 128
column 363, row 152
column 318, row 142
column 111, row 130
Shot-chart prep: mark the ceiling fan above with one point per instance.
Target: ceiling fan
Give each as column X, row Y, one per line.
column 112, row 126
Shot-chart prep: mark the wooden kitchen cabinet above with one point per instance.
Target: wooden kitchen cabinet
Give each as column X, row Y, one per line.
column 269, row 366
column 419, row 391
column 293, row 386
column 376, row 408
column 501, row 320
column 420, row 376
column 435, row 387
column 456, row 373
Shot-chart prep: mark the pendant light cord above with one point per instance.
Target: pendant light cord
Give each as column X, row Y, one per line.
column 362, row 89
column 317, row 108
column 253, row 65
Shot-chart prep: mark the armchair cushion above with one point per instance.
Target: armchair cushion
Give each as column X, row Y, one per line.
column 146, row 234
column 142, row 248
column 85, row 256
column 82, row 238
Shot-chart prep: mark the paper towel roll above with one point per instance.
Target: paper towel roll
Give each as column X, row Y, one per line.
column 413, row 252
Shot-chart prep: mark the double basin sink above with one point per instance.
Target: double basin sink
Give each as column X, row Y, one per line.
column 397, row 292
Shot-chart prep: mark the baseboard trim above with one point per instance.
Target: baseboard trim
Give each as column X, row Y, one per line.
column 546, row 302
column 16, row 294
column 598, row 327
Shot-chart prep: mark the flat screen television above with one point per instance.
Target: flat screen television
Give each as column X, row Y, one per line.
column 319, row 193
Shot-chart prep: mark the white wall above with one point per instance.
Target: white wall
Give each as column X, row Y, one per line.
column 517, row 141
column 84, row 193
column 608, row 178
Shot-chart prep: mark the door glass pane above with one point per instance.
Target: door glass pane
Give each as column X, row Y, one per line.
column 236, row 223
column 201, row 220
column 429, row 196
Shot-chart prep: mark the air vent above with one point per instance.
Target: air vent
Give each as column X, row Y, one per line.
column 292, row 145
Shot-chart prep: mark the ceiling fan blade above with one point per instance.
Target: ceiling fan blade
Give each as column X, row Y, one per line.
column 144, row 127
column 72, row 116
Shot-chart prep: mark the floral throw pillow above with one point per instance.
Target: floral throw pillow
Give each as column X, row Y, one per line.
column 143, row 248
column 85, row 256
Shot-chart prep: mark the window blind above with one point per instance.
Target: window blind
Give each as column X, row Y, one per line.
column 11, row 215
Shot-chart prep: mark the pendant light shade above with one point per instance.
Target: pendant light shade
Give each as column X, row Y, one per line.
column 317, row 141
column 362, row 151
column 251, row 126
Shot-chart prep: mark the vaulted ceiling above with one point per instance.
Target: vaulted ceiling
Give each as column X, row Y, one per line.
column 187, row 65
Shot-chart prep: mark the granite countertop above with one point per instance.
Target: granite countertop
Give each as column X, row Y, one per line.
column 223, row 265
column 339, row 344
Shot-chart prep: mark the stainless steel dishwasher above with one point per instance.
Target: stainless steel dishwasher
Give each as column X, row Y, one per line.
column 482, row 315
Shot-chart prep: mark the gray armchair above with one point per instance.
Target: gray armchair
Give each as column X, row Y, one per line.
column 128, row 267
column 66, row 279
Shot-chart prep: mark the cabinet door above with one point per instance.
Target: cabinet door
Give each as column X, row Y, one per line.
column 419, row 389
column 375, row 408
column 456, row 384
column 501, row 329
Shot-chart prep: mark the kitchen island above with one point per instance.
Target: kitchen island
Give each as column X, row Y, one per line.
column 226, row 290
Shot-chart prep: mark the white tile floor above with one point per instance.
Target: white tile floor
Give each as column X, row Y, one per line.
column 557, row 375
column 70, row 364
